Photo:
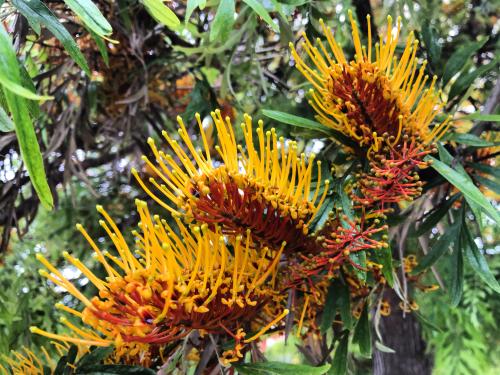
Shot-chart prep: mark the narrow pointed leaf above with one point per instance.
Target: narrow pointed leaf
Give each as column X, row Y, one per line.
column 28, row 143
column 456, row 274
column 459, row 58
column 279, row 368
column 6, row 124
column 258, row 8
column 38, row 11
column 339, row 363
column 478, row 262
column 162, row 13
column 223, row 21
column 465, row 185
column 362, row 335
column 91, row 16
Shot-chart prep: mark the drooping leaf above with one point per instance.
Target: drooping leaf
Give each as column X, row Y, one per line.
column 344, row 303
column 481, row 117
column 465, row 185
column 162, row 13
column 432, row 45
column 6, row 124
column 488, row 169
column 94, row 357
column 436, row 216
column 465, row 80
column 28, row 143
column 279, row 368
column 489, row 184
column 262, row 12
column 223, row 21
column 477, row 260
column 339, row 363
column 191, row 6
column 456, row 287
column 383, row 257
column 439, row 247
column 362, row 335
column 470, row 140
column 91, row 16
column 302, row 122
column 18, row 89
column 330, row 309
column 38, row 11
column 458, row 59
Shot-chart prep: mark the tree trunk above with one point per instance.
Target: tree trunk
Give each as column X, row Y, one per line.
column 404, row 336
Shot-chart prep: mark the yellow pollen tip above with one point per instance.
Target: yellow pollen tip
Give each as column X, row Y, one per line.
column 43, row 273
column 66, row 254
column 39, row 256
column 79, row 226
column 59, row 306
column 133, row 171
column 151, row 141
column 99, row 208
column 34, row 329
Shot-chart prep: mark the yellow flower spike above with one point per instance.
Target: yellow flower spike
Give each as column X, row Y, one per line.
column 366, row 98
column 169, row 286
column 263, row 184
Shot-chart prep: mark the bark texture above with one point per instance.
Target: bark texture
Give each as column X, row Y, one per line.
column 402, row 334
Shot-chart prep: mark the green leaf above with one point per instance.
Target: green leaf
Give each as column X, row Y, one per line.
column 439, row 247
column 456, row 273
column 38, row 11
column 477, row 261
column 91, row 16
column 488, row 169
column 101, row 46
column 6, row 124
column 458, row 59
column 330, row 309
column 432, row 45
column 465, row 80
column 481, row 117
column 362, row 334
column 162, row 13
column 94, row 356
column 339, row 363
column 436, row 216
column 302, row 122
column 279, row 368
column 344, row 303
column 490, row 184
column 223, row 21
column 191, row 6
column 18, row 89
column 469, row 140
column 464, row 184
column 18, row 107
column 384, row 258
column 262, row 12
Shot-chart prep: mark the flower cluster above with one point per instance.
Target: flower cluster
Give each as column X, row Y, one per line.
column 171, row 285
column 264, row 186
column 381, row 103
column 239, row 249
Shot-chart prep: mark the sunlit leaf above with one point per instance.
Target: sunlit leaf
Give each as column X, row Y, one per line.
column 458, row 59
column 90, row 16
column 262, row 12
column 465, row 185
column 477, row 261
column 223, row 21
column 162, row 13
column 278, row 368
column 28, row 143
column 38, row 11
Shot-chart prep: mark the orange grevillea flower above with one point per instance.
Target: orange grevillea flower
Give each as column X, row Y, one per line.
column 27, row 362
column 376, row 98
column 393, row 177
column 342, row 240
column 264, row 186
column 171, row 285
